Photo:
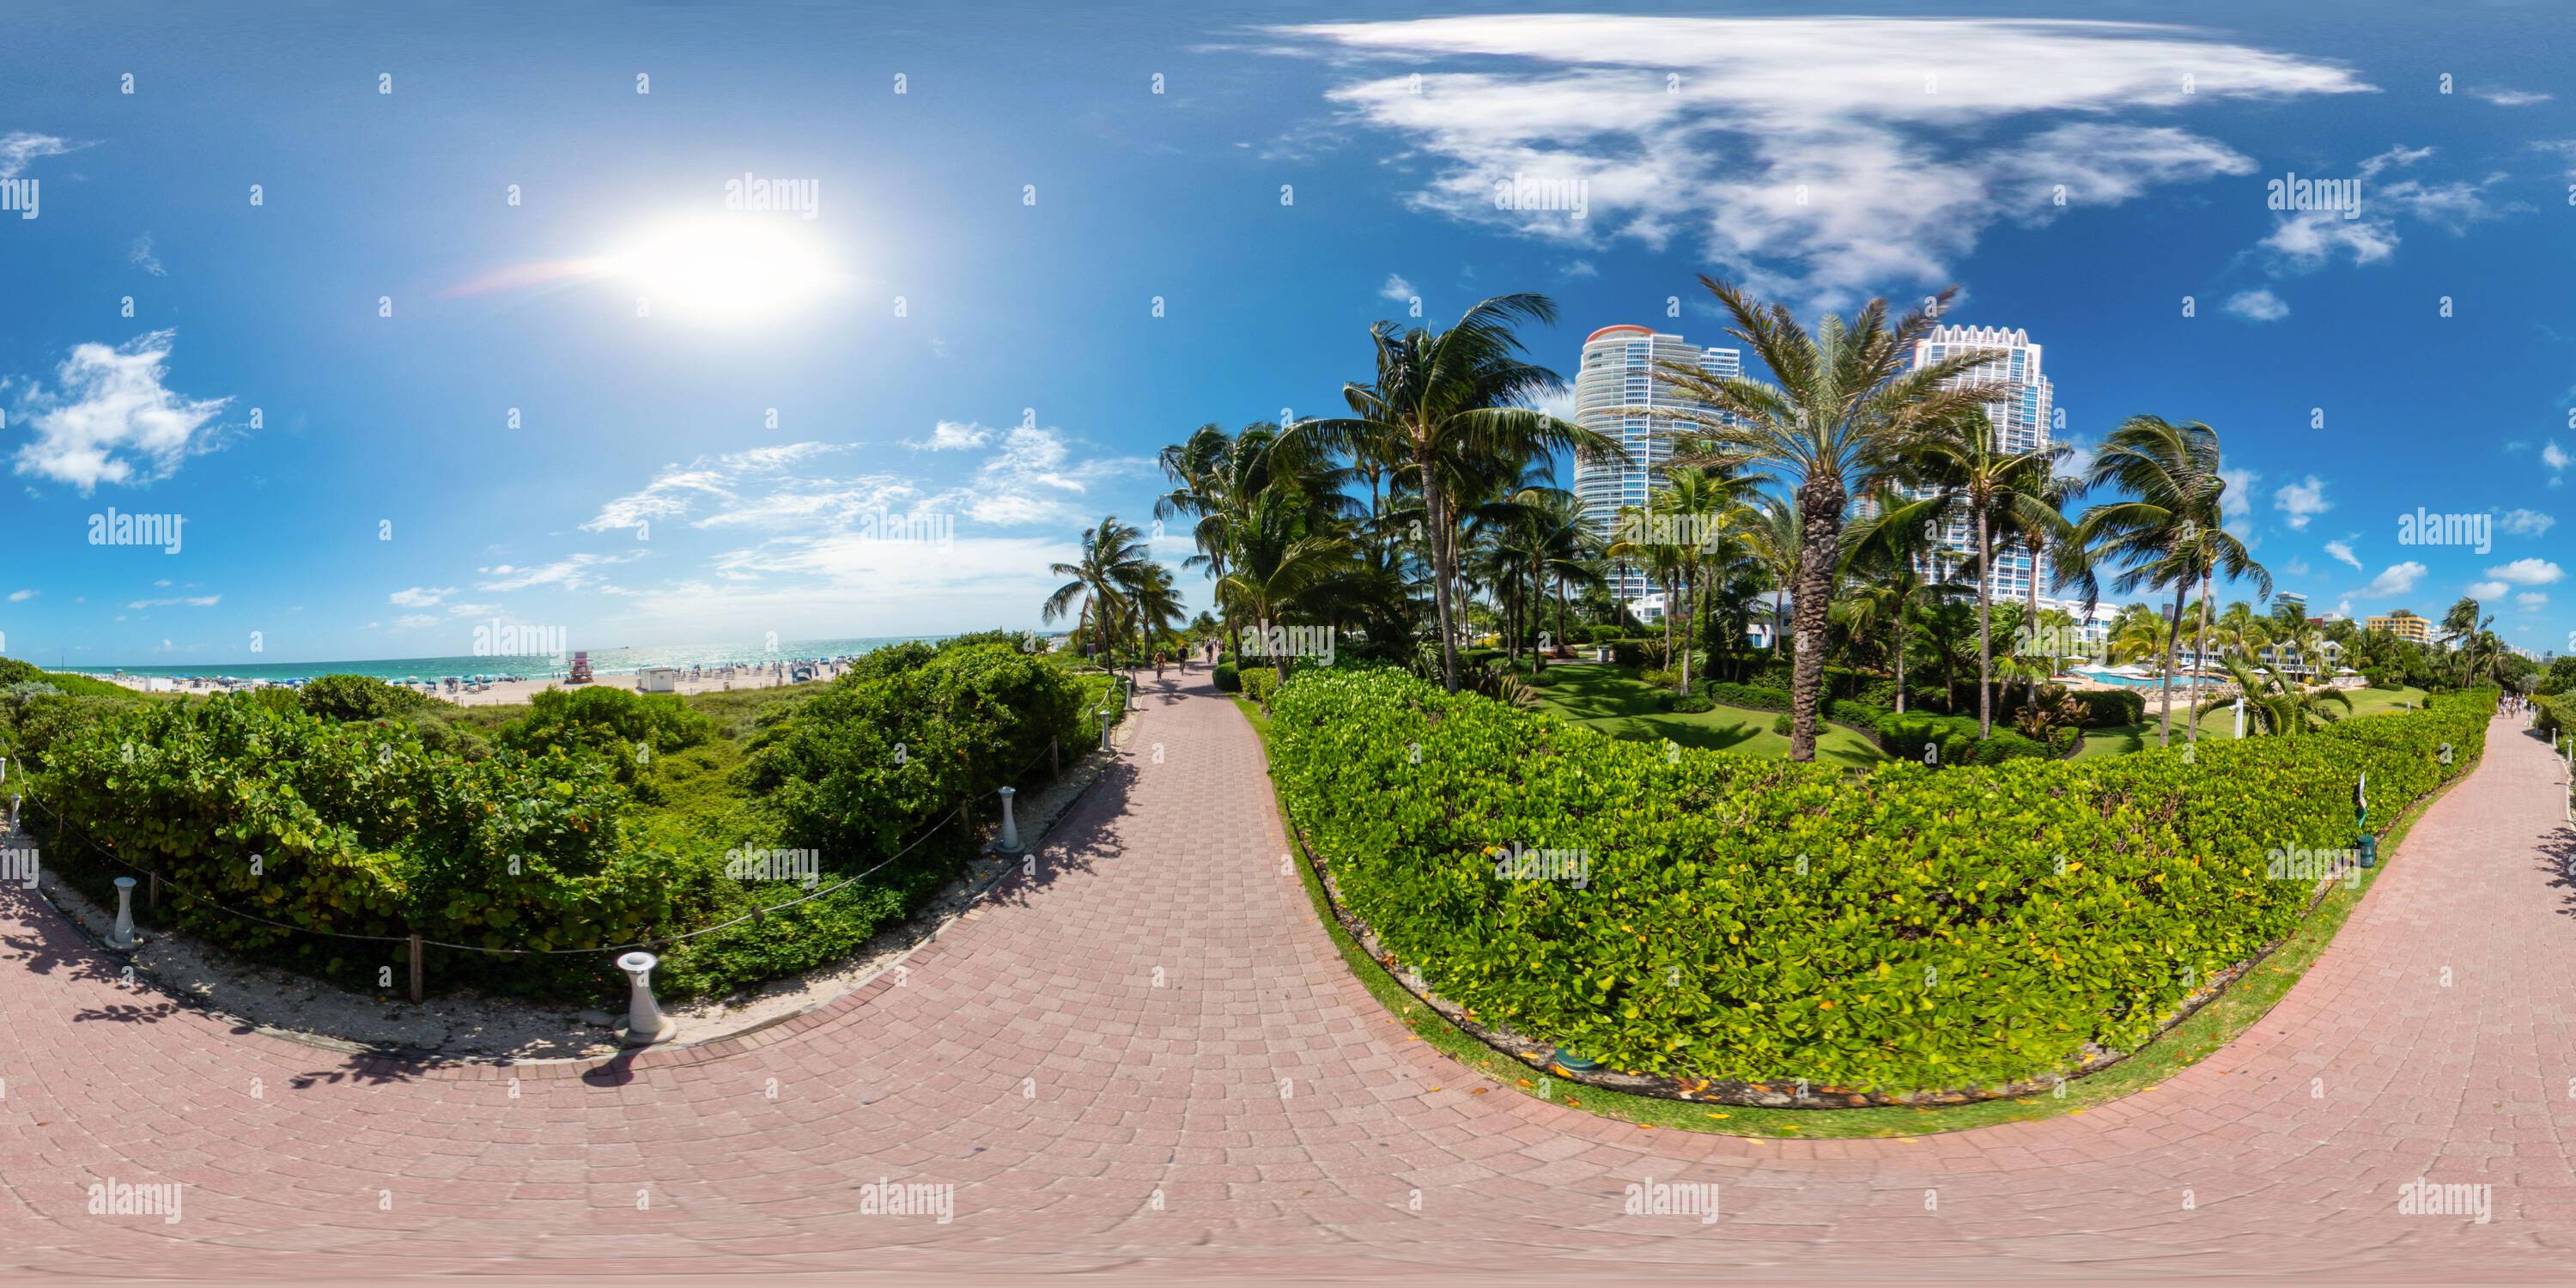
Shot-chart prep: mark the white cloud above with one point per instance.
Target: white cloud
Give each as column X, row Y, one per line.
column 18, row 147
column 21, row 596
column 1032, row 479
column 472, row 610
column 1820, row 158
column 2305, row 240
column 2078, row 460
column 950, row 436
column 2528, row 572
column 198, row 601
column 2238, row 500
column 707, row 481
column 2297, row 567
column 1580, row 268
column 570, row 573
column 420, row 596
column 1396, row 289
column 2343, row 551
column 140, row 255
column 2526, row 523
column 414, row 621
column 2397, row 580
column 2554, row 456
column 2513, row 97
column 2488, row 590
column 2258, row 305
column 2564, row 149
column 112, row 420
column 2302, row 501
column 2532, row 598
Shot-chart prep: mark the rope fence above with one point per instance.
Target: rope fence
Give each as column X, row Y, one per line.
column 1122, row 688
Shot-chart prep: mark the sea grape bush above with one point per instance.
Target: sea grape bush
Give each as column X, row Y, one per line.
column 1750, row 919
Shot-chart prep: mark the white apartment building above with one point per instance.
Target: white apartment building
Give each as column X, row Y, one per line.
column 1620, row 368
column 2023, row 413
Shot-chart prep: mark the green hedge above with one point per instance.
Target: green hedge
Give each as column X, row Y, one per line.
column 1228, row 678
column 1760, row 920
column 1259, row 682
column 1905, row 737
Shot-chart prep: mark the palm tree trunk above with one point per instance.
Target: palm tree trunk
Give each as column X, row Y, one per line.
column 2200, row 655
column 1900, row 657
column 1690, row 607
column 1664, row 582
column 1985, row 634
column 1431, row 504
column 2032, row 624
column 1820, row 508
column 2173, row 638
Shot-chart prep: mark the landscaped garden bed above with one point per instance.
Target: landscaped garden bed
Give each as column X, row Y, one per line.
column 1745, row 930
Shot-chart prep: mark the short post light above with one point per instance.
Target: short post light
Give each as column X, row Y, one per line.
column 645, row 1022
column 1010, row 825
column 122, row 935
column 2364, row 843
column 1104, row 728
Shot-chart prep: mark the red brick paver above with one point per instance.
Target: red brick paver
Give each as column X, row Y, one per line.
column 1148, row 1061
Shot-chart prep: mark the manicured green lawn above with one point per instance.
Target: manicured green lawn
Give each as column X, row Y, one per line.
column 1613, row 700
column 2120, row 740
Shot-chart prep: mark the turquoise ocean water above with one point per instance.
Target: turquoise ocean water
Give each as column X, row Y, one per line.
column 610, row 661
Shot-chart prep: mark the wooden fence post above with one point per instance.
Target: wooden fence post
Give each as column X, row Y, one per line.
column 415, row 968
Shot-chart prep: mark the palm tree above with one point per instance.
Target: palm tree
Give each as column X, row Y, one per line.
column 1705, row 507
column 2169, row 534
column 1773, row 540
column 1111, row 554
column 2138, row 632
column 1848, row 396
column 1882, row 562
column 2274, row 703
column 2460, row 627
column 2046, row 536
column 1973, row 478
column 1281, row 565
column 1451, row 397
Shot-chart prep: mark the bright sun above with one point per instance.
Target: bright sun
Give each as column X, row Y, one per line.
column 725, row 269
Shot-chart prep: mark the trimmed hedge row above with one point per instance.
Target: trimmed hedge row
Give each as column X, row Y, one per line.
column 1758, row 920
column 1907, row 735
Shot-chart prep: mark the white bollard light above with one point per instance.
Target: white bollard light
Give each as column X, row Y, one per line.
column 1104, row 728
column 645, row 1022
column 1010, row 826
column 122, row 936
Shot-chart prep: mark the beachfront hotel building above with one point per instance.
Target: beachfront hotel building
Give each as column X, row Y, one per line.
column 1622, row 367
column 2402, row 624
column 2284, row 601
column 2022, row 410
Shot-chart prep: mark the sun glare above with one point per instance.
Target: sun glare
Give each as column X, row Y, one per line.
column 729, row 269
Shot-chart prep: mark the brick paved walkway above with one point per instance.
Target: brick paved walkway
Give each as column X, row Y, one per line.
column 1158, row 1012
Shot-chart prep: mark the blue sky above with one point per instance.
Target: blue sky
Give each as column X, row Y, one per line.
column 352, row 486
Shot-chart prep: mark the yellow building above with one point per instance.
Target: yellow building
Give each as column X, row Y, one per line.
column 2402, row 624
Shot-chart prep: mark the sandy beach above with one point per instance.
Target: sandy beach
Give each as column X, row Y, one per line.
column 505, row 692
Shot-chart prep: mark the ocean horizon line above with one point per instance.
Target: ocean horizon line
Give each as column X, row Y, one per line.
column 616, row 660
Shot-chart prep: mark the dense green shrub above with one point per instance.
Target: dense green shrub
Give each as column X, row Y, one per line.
column 355, row 828
column 1785, row 725
column 1259, row 682
column 1754, row 919
column 1228, row 678
column 2111, row 708
column 1905, row 737
column 1687, row 703
column 361, row 697
column 2553, row 714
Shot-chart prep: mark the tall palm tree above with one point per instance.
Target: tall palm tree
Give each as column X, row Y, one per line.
column 1847, row 396
column 1706, row 508
column 1450, row 397
column 2460, row 627
column 2138, row 632
column 1973, row 478
column 1883, row 562
column 2169, row 533
column 2274, row 703
column 1111, row 554
column 2047, row 537
column 1773, row 540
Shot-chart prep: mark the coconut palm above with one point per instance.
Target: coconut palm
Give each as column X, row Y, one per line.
column 1883, row 565
column 1111, row 555
column 2169, row 533
column 1282, row 565
column 1848, row 396
column 2275, row 704
column 1973, row 478
column 1450, row 397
